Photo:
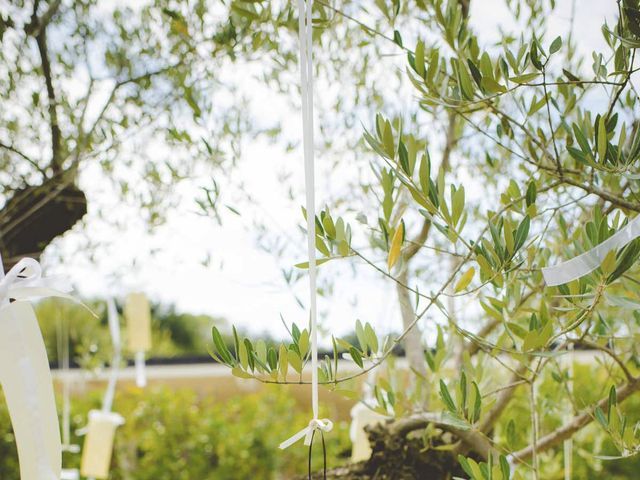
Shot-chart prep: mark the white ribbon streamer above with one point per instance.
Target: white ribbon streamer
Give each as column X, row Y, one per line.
column 141, row 375
column 24, row 372
column 114, row 329
column 100, row 452
column 305, row 35
column 589, row 261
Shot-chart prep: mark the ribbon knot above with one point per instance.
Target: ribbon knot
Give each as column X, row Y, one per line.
column 323, row 424
column 25, row 280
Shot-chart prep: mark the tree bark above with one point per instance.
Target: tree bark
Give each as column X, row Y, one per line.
column 413, row 341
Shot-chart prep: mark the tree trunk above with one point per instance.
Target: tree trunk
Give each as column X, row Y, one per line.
column 33, row 216
column 413, row 341
column 400, row 456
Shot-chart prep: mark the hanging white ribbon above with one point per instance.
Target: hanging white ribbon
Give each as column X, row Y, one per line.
column 589, row 261
column 98, row 447
column 305, row 33
column 24, row 372
column 114, row 329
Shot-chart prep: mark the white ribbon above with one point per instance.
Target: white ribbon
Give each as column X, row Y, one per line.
column 589, row 261
column 315, row 424
column 141, row 375
column 114, row 329
column 24, row 372
column 24, row 281
column 102, row 453
column 305, row 33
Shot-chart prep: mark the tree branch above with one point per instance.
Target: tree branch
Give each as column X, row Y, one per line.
column 38, row 24
column 611, row 353
column 33, row 163
column 504, row 397
column 617, row 201
column 413, row 341
column 578, row 422
column 41, row 40
column 472, row 439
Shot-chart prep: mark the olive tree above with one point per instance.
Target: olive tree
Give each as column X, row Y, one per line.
column 520, row 155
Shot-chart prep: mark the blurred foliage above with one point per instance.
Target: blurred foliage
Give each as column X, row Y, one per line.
column 174, row 334
column 177, row 435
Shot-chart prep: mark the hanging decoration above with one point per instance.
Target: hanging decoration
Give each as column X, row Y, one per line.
column 114, row 329
column 138, row 316
column 363, row 416
column 589, row 261
column 98, row 445
column 70, row 474
column 24, row 371
column 64, row 368
column 305, row 31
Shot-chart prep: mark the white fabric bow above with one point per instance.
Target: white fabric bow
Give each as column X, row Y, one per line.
column 315, row 424
column 25, row 281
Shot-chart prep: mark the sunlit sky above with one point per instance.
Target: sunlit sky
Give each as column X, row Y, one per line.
column 202, row 267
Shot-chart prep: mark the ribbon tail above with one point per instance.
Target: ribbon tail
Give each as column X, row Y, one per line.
column 305, row 432
column 28, row 389
column 590, row 260
column 31, row 292
column 308, row 438
column 26, row 292
column 141, row 374
column 114, row 328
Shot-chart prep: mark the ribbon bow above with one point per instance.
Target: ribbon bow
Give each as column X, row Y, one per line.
column 25, row 280
column 24, row 370
column 315, row 424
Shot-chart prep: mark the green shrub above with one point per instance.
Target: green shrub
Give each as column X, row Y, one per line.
column 175, row 435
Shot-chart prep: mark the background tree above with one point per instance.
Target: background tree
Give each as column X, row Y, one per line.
column 92, row 87
column 85, row 84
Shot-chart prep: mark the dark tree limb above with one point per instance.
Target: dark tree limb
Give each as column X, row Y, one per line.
column 38, row 29
column 38, row 24
column 56, row 136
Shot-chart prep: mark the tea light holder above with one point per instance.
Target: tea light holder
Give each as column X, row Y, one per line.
column 98, row 443
column 138, row 317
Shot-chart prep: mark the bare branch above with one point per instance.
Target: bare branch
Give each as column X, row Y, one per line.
column 611, row 353
column 578, row 422
column 504, row 397
column 38, row 24
column 31, row 161
column 56, row 161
